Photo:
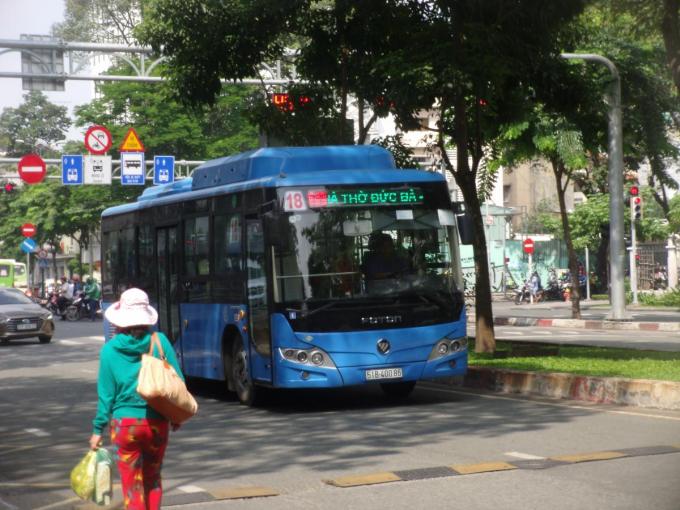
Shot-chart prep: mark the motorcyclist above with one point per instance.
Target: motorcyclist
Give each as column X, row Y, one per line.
column 92, row 295
column 65, row 296
column 536, row 286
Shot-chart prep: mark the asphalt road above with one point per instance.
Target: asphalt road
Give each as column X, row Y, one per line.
column 302, row 439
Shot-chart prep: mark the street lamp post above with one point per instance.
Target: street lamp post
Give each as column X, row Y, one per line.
column 615, row 181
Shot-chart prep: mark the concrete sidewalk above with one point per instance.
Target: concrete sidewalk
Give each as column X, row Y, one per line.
column 595, row 315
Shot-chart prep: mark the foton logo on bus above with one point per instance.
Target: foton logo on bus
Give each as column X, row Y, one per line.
column 382, row 319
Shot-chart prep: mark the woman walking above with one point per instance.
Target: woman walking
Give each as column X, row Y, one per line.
column 139, row 435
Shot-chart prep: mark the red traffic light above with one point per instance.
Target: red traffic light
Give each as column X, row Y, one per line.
column 8, row 187
column 634, row 191
column 637, row 200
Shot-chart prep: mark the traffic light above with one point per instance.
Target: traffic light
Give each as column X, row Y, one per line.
column 635, row 203
column 8, row 187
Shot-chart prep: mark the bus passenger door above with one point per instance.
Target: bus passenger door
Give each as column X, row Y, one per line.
column 260, row 350
column 168, row 268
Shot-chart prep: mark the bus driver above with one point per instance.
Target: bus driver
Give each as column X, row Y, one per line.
column 382, row 261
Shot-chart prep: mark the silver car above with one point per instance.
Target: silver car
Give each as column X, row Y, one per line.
column 20, row 317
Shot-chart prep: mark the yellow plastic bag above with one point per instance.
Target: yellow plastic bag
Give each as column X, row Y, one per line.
column 83, row 476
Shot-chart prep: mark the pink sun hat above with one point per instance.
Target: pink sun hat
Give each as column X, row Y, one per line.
column 133, row 309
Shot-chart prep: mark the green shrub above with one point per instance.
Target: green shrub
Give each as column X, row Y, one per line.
column 668, row 298
column 599, row 297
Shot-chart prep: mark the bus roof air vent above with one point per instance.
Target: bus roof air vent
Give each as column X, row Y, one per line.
column 285, row 161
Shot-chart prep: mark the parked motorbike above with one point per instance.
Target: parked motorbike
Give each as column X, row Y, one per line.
column 51, row 303
column 660, row 278
column 523, row 293
column 77, row 309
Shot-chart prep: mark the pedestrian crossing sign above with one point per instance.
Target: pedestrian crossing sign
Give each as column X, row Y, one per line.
column 131, row 142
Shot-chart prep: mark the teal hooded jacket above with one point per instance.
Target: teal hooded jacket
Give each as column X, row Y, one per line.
column 119, row 363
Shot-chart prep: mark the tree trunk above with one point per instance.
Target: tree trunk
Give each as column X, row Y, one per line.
column 671, row 37
column 602, row 264
column 485, row 339
column 575, row 296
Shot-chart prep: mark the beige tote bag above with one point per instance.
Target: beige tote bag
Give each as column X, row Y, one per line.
column 162, row 388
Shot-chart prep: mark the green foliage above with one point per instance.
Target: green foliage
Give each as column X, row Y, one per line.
column 23, row 129
column 674, row 213
column 594, row 361
column 403, row 155
column 668, row 298
column 167, row 127
column 316, row 122
column 588, row 220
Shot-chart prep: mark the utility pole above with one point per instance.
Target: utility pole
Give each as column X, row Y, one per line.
column 615, row 181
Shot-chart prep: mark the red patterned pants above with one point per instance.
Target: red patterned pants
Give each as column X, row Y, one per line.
column 139, row 444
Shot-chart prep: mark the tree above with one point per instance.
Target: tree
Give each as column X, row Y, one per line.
column 103, row 21
column 382, row 52
column 34, row 122
column 552, row 137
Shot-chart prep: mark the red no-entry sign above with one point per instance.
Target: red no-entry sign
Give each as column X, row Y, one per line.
column 28, row 230
column 32, row 169
column 528, row 245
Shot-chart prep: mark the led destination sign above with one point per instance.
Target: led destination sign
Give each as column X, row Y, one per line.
column 300, row 200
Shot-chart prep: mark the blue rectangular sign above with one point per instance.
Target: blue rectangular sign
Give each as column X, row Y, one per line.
column 132, row 168
column 163, row 169
column 71, row 169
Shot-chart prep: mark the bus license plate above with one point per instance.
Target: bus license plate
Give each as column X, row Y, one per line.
column 384, row 373
column 22, row 327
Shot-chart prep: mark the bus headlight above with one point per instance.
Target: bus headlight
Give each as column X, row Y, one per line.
column 309, row 357
column 447, row 346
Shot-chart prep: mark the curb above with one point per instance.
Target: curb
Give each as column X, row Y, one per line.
column 586, row 324
column 601, row 390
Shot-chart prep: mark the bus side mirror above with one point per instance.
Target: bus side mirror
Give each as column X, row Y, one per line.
column 465, row 228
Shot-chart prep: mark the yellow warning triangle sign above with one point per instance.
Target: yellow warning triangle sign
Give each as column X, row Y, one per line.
column 131, row 142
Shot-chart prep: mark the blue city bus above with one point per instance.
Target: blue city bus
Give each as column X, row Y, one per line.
column 298, row 267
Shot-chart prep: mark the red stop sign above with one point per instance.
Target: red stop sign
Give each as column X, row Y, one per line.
column 32, row 169
column 28, row 230
column 528, row 245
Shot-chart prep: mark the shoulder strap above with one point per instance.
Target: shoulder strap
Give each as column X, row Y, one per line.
column 156, row 341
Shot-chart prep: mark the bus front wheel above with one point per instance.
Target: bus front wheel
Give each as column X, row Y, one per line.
column 398, row 389
column 246, row 391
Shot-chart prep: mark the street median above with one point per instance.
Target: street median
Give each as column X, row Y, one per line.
column 602, row 390
column 586, row 324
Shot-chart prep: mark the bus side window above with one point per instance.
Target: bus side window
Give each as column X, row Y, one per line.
column 126, row 272
column 227, row 240
column 196, row 247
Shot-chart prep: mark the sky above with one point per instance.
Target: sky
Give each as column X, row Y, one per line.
column 35, row 17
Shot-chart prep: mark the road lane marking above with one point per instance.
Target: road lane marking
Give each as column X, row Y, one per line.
column 190, row 489
column 553, row 404
column 58, row 504
column 242, row 493
column 38, row 432
column 70, row 342
column 525, row 456
column 8, row 505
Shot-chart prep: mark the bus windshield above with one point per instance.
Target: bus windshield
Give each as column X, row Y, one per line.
column 359, row 253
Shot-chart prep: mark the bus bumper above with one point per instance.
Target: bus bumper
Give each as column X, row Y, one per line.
column 291, row 375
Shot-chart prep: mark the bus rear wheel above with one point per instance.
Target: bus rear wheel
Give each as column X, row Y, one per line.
column 246, row 391
column 398, row 389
